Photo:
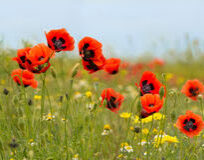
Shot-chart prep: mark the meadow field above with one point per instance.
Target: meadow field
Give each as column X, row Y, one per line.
column 63, row 117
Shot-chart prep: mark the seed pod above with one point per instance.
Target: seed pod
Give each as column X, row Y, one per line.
column 53, row 73
column 75, row 70
column 6, row 91
column 161, row 92
column 30, row 102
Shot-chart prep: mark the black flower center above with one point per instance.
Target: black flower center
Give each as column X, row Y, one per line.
column 86, row 53
column 189, row 124
column 92, row 66
column 23, row 59
column 114, row 72
column 151, row 105
column 29, row 61
column 58, row 43
column 111, row 103
column 146, row 88
column 40, row 58
column 194, row 91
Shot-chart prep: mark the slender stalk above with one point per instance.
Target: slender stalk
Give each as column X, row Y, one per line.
column 43, row 95
column 43, row 77
column 66, row 113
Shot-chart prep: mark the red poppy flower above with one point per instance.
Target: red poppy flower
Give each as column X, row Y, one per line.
column 113, row 98
column 21, row 57
column 190, row 124
column 112, row 65
column 91, row 52
column 136, row 68
column 24, row 76
column 150, row 84
column 125, row 65
column 60, row 40
column 151, row 102
column 38, row 58
column 156, row 62
column 90, row 48
column 93, row 66
column 192, row 88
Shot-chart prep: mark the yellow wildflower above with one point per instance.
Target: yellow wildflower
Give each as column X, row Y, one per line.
column 147, row 119
column 63, row 119
column 49, row 117
column 145, row 131
column 124, row 144
column 155, row 131
column 121, row 156
column 31, row 140
column 2, row 81
column 169, row 76
column 158, row 116
column 164, row 138
column 107, row 127
column 136, row 119
column 125, row 115
column 132, row 128
column 170, row 139
column 88, row 94
column 37, row 97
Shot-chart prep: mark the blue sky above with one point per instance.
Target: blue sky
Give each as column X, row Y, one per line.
column 130, row 26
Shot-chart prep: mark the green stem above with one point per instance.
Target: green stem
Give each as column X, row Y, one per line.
column 43, row 77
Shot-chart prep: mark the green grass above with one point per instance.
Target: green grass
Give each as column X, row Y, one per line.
column 25, row 133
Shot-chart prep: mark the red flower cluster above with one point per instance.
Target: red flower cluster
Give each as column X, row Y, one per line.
column 93, row 59
column 149, row 89
column 36, row 60
column 156, row 62
column 113, row 99
column 190, row 124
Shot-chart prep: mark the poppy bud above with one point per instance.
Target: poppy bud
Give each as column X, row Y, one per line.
column 61, row 98
column 136, row 129
column 161, row 92
column 200, row 97
column 75, row 70
column 53, row 73
column 67, row 96
column 6, row 91
column 30, row 102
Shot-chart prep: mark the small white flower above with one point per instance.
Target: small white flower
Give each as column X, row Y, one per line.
column 90, row 106
column 126, row 149
column 106, row 132
column 77, row 95
column 143, row 142
column 76, row 157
